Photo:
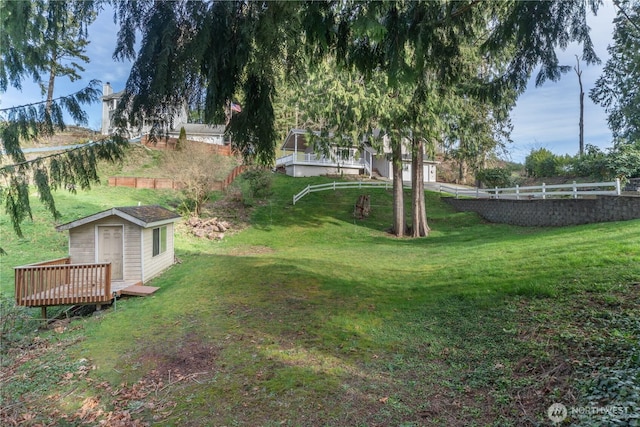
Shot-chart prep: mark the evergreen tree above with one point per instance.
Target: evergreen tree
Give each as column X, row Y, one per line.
column 42, row 37
column 64, row 44
column 25, row 51
column 232, row 48
column 617, row 88
column 68, row 169
column 237, row 50
column 349, row 110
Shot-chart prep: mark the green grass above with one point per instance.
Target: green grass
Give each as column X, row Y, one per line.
column 310, row 317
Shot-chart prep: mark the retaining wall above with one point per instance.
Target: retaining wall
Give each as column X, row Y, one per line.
column 551, row 212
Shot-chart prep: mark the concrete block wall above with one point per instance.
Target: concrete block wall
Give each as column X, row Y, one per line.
column 551, row 212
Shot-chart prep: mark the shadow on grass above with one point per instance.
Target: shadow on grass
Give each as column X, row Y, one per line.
column 318, row 342
column 371, row 330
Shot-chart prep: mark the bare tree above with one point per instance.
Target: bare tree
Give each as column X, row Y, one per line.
column 581, row 124
column 196, row 169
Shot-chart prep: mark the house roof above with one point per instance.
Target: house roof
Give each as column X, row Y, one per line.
column 200, row 129
column 300, row 135
column 115, row 95
column 145, row 216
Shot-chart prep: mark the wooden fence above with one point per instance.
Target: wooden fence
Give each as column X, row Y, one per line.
column 136, row 182
column 58, row 282
column 168, row 183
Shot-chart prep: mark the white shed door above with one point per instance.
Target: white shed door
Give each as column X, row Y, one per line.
column 110, row 249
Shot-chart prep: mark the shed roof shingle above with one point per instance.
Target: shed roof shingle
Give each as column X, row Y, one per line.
column 144, row 216
column 149, row 213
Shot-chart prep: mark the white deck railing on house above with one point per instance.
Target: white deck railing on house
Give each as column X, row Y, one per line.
column 574, row 190
column 313, row 158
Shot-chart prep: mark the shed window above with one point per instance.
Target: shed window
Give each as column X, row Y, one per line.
column 159, row 240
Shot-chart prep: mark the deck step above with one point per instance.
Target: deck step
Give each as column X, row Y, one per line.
column 139, row 290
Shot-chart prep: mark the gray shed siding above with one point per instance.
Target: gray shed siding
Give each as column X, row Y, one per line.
column 154, row 265
column 83, row 247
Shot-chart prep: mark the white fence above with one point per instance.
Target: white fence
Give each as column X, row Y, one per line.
column 543, row 191
column 348, row 184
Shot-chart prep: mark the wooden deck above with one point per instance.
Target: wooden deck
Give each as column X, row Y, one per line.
column 59, row 282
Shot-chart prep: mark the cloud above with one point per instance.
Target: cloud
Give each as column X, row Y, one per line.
column 548, row 116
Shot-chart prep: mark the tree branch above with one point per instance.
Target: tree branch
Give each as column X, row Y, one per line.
column 44, row 101
column 624, row 12
column 39, row 159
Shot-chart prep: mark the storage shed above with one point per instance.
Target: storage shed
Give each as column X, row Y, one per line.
column 136, row 240
column 111, row 253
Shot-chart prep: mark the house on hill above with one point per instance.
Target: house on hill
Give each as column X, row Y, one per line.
column 111, row 252
column 170, row 120
column 302, row 159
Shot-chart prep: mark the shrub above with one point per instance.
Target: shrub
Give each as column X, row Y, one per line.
column 540, row 162
column 494, row 177
column 259, row 183
column 593, row 163
column 196, row 170
column 182, row 139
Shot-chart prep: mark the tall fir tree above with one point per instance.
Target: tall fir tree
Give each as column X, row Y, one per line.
column 25, row 53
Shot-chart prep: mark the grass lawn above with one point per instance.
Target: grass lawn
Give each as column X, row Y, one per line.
column 309, row 317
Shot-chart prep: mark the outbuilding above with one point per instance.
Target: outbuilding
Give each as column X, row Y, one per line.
column 136, row 240
column 110, row 253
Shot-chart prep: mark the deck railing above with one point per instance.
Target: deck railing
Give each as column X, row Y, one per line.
column 58, row 282
column 318, row 159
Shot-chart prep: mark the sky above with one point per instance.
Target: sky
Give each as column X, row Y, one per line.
column 548, row 116
column 544, row 117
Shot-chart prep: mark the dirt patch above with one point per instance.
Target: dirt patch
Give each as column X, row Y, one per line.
column 230, row 209
column 186, row 357
column 176, row 365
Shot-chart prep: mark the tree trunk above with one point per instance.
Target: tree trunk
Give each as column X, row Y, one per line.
column 419, row 228
column 581, row 123
column 581, row 120
column 462, row 171
column 398, row 195
column 50, row 86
